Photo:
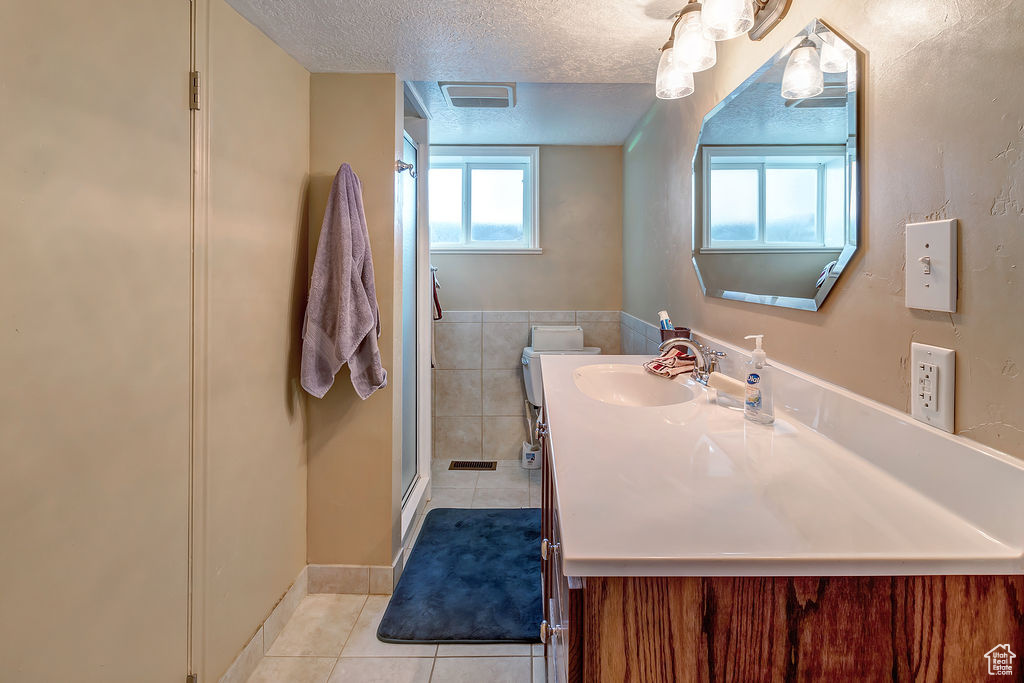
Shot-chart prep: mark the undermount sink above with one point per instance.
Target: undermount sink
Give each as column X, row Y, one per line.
column 629, row 385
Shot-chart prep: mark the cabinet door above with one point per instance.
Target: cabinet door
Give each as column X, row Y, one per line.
column 546, row 511
column 566, row 605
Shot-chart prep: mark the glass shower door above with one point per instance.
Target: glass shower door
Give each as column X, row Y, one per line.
column 410, row 383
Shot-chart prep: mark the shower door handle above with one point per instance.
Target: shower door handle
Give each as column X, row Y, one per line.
column 548, row 632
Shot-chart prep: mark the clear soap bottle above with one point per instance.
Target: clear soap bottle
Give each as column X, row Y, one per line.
column 757, row 404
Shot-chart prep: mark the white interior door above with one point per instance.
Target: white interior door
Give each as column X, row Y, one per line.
column 94, row 340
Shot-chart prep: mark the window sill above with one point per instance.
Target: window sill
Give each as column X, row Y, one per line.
column 524, row 250
column 768, row 250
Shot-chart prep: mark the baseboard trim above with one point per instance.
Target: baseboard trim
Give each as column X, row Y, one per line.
column 313, row 579
column 249, row 658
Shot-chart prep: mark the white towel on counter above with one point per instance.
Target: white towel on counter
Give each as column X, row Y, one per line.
column 670, row 364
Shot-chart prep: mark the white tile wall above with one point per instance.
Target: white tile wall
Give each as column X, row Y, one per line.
column 639, row 337
column 479, row 400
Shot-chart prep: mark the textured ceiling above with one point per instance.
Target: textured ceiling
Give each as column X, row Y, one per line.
column 545, row 114
column 530, row 41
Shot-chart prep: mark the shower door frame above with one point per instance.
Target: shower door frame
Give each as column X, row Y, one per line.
column 416, row 129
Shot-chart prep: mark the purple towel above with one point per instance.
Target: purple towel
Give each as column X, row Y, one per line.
column 342, row 319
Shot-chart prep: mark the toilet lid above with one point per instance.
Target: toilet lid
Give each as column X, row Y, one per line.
column 530, row 352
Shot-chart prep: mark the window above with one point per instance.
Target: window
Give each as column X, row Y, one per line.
column 483, row 199
column 774, row 197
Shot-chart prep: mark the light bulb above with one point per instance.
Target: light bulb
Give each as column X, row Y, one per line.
column 835, row 55
column 692, row 49
column 725, row 19
column 673, row 81
column 803, row 77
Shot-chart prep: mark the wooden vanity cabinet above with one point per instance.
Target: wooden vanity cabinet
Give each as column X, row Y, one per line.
column 649, row 629
column 563, row 596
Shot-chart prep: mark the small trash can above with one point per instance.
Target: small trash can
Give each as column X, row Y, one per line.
column 531, row 456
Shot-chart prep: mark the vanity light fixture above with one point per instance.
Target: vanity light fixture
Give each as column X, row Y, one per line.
column 836, row 55
column 673, row 81
column 693, row 49
column 803, row 77
column 691, row 43
column 726, row 19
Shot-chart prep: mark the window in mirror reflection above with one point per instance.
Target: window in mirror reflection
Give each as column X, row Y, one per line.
column 791, row 205
column 775, row 197
column 735, row 195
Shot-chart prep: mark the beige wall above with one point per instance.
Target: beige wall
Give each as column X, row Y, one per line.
column 943, row 138
column 580, row 233
column 352, row 443
column 94, row 341
column 255, row 490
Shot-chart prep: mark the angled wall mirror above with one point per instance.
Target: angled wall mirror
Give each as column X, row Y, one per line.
column 776, row 190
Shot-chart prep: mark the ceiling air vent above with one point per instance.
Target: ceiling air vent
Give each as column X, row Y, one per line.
column 479, row 95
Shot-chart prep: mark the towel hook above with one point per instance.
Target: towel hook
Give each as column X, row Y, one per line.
column 405, row 166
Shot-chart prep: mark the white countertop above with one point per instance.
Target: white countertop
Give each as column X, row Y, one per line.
column 694, row 489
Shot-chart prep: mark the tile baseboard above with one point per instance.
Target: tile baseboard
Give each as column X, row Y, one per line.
column 251, row 655
column 313, row 579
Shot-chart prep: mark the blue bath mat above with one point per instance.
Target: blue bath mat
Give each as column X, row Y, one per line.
column 472, row 577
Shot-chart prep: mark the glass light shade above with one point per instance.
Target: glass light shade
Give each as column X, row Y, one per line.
column 692, row 49
column 673, row 81
column 835, row 56
column 803, row 77
column 725, row 19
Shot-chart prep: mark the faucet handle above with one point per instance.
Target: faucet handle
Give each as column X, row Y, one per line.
column 711, row 358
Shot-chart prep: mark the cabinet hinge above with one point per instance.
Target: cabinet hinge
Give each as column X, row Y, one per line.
column 193, row 97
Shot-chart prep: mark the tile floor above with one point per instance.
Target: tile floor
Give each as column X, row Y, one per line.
column 508, row 486
column 333, row 638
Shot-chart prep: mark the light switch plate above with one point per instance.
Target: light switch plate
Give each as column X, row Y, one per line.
column 931, row 275
column 933, row 385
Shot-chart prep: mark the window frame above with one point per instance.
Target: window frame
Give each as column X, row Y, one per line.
column 495, row 157
column 757, row 155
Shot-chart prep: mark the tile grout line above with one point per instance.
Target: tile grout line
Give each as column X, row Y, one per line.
column 347, row 638
column 480, row 453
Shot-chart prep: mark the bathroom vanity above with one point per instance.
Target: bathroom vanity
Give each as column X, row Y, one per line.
column 845, row 542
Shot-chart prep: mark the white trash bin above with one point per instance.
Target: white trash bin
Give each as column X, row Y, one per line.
column 531, row 456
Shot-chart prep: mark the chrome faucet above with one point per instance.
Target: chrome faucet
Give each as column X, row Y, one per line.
column 705, row 358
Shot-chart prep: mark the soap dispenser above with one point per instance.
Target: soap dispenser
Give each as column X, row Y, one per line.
column 757, row 404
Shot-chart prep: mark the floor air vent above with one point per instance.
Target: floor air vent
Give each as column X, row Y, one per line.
column 475, row 465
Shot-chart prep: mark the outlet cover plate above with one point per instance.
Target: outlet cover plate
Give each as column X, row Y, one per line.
column 932, row 385
column 931, row 268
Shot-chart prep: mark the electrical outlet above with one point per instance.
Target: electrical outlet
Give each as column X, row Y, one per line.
column 933, row 385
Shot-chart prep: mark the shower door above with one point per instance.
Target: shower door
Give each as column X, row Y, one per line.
column 410, row 318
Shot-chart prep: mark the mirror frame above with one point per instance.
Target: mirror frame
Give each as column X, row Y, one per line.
column 856, row 196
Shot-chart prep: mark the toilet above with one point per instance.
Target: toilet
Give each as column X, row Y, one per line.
column 550, row 339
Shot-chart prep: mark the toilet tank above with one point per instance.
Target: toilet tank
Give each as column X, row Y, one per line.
column 556, row 337
column 550, row 339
